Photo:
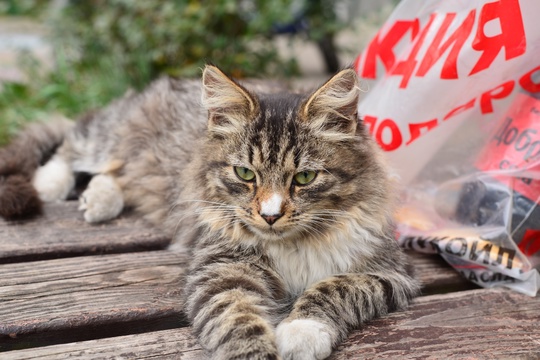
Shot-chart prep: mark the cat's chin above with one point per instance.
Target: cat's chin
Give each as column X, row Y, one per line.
column 270, row 233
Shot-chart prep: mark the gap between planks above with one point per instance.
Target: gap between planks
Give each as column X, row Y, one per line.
column 80, row 297
column 480, row 324
column 62, row 232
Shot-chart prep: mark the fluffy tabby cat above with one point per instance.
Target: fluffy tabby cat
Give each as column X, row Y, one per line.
column 282, row 200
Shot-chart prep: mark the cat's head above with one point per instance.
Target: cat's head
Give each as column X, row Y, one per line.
column 287, row 166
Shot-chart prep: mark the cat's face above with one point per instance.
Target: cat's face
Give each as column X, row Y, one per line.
column 279, row 166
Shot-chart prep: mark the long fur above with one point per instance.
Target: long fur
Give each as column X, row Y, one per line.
column 291, row 287
column 18, row 163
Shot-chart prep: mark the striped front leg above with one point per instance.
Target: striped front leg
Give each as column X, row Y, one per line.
column 230, row 307
column 324, row 314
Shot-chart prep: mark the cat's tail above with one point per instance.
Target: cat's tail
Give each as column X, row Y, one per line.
column 19, row 161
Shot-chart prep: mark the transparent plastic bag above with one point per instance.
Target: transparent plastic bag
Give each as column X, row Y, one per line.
column 453, row 96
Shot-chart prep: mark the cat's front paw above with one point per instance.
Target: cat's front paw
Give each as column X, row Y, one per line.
column 102, row 200
column 304, row 339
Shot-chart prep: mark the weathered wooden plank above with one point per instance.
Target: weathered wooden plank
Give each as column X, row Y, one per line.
column 436, row 275
column 62, row 232
column 165, row 344
column 44, row 297
column 479, row 324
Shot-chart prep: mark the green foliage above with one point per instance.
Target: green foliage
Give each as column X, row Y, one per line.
column 322, row 19
column 67, row 90
column 104, row 47
column 22, row 7
column 151, row 37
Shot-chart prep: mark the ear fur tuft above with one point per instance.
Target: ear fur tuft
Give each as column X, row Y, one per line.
column 228, row 103
column 332, row 109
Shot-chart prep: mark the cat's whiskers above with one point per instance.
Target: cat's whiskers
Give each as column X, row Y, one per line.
column 332, row 212
column 214, row 206
column 234, row 211
column 314, row 223
column 172, row 208
column 311, row 231
column 334, row 216
column 221, row 212
column 328, row 172
column 220, row 219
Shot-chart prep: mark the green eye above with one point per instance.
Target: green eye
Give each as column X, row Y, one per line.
column 244, row 173
column 304, row 177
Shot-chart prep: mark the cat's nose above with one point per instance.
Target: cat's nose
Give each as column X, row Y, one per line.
column 271, row 219
column 271, row 209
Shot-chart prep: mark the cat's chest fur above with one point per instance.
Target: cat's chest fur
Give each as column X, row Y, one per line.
column 303, row 263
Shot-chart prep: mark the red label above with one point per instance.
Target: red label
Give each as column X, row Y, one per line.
column 530, row 244
column 516, row 143
column 444, row 37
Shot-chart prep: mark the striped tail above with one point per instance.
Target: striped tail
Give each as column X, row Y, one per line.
column 18, row 163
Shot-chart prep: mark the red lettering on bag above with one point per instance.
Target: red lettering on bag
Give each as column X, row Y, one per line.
column 515, row 144
column 501, row 91
column 382, row 47
column 416, row 129
column 530, row 244
column 370, row 122
column 396, row 139
column 455, row 41
column 406, row 67
column 525, row 141
column 527, row 83
column 511, row 38
column 461, row 108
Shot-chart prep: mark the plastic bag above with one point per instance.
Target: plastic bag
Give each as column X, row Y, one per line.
column 453, row 96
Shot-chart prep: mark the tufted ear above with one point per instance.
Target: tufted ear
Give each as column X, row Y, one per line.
column 229, row 104
column 332, row 109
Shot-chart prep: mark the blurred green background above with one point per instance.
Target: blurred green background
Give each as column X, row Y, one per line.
column 100, row 48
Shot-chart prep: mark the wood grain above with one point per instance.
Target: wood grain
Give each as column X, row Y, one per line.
column 120, row 300
column 65, row 294
column 75, row 292
column 436, row 275
column 474, row 324
column 62, row 232
column 166, row 344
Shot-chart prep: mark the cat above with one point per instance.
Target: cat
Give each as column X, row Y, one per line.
column 282, row 200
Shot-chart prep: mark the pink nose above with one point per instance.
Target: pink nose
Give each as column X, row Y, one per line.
column 271, row 219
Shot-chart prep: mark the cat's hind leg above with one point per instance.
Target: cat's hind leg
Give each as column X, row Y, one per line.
column 54, row 180
column 102, row 200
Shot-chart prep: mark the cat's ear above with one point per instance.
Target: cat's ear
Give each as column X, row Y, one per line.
column 229, row 105
column 332, row 110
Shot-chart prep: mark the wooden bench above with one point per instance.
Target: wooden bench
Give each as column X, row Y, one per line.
column 69, row 289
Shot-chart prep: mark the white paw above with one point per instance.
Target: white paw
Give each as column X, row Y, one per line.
column 54, row 180
column 304, row 339
column 102, row 200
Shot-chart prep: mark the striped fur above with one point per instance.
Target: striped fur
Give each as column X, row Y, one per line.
column 279, row 269
column 295, row 288
column 18, row 163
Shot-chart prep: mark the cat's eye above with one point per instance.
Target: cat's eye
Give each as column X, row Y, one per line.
column 304, row 177
column 244, row 173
